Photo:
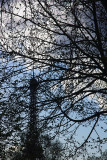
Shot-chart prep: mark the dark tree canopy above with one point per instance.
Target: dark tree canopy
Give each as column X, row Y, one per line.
column 64, row 43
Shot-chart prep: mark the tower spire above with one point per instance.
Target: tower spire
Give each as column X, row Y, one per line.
column 33, row 148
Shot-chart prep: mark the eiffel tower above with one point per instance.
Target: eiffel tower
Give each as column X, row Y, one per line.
column 33, row 148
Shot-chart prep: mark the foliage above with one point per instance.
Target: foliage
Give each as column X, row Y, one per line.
column 65, row 43
column 102, row 157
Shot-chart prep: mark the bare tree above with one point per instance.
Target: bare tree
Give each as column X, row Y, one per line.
column 66, row 42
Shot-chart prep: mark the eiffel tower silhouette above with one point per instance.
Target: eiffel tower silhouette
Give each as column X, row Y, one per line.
column 33, row 147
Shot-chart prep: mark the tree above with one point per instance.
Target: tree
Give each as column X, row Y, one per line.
column 53, row 150
column 56, row 150
column 102, row 157
column 2, row 147
column 66, row 42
